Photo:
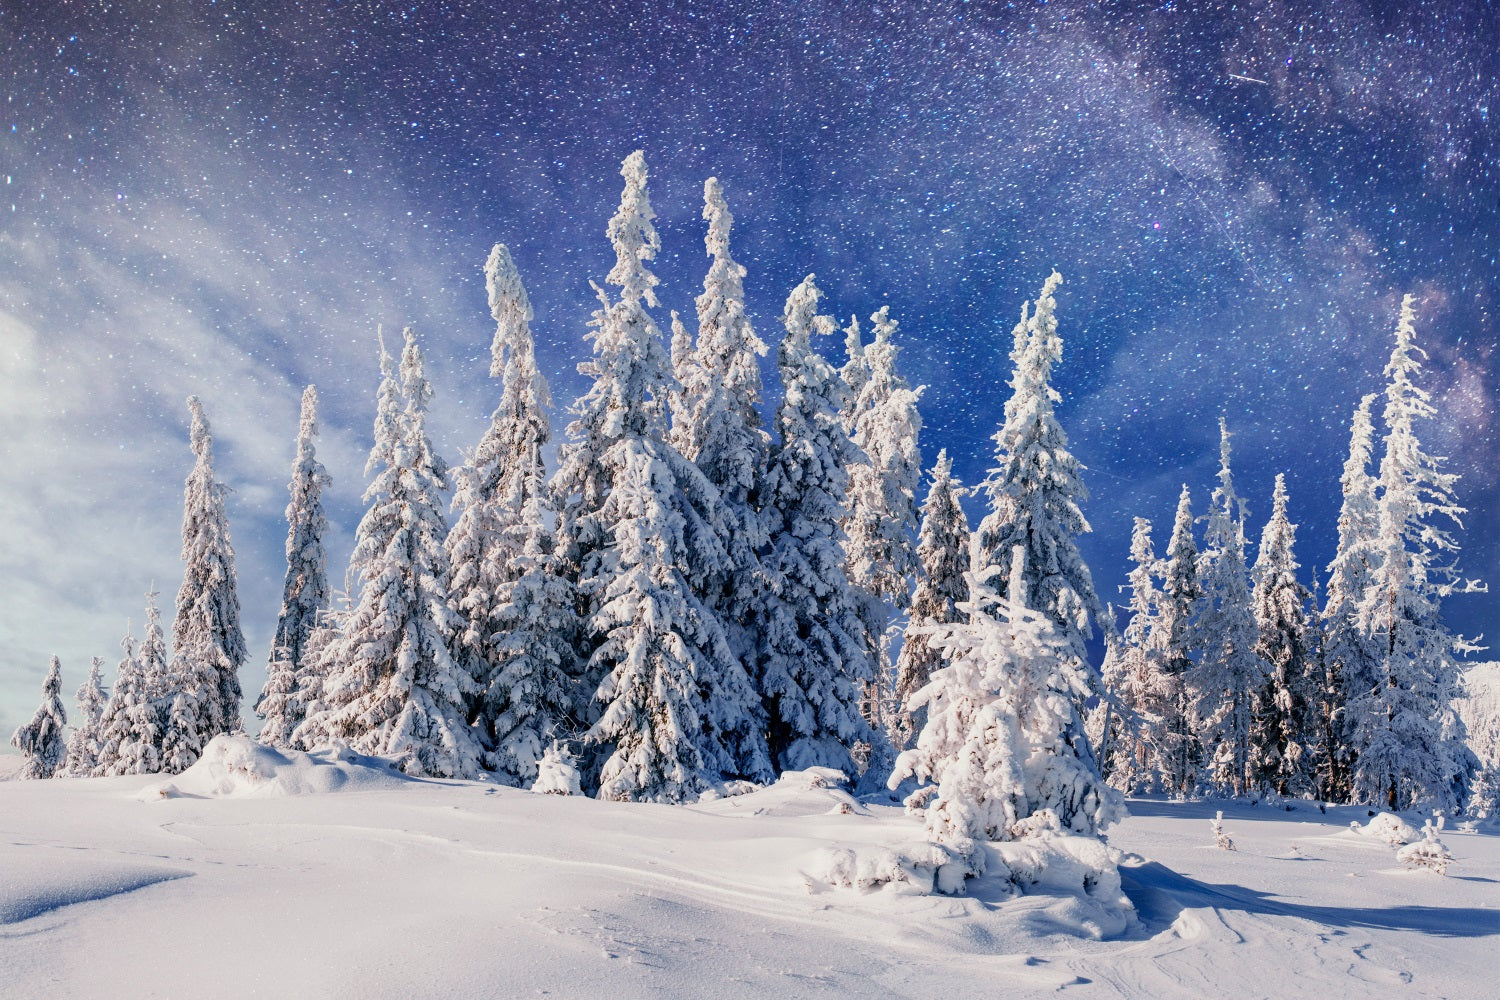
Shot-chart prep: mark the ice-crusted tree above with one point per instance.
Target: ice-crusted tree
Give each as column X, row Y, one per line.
column 1003, row 741
column 162, row 677
column 1037, row 485
column 813, row 667
column 942, row 584
column 1228, row 672
column 720, row 426
column 1177, row 603
column 1351, row 656
column 85, row 743
column 43, row 741
column 393, row 687
column 1135, row 680
column 516, row 610
column 677, row 709
column 188, row 709
column 130, row 730
column 879, row 542
column 1282, row 733
column 304, row 595
column 1408, row 742
column 207, row 621
column 855, row 373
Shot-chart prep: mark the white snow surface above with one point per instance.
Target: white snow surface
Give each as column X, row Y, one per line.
column 252, row 877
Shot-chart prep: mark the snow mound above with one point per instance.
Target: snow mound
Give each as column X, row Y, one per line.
column 1388, row 829
column 796, row 793
column 236, row 766
column 1429, row 852
column 46, row 879
column 917, row 869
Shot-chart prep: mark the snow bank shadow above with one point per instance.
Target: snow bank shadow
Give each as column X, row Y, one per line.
column 1160, row 895
column 33, row 886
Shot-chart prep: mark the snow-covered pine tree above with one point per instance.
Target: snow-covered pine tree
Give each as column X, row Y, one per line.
column 207, row 619
column 1003, row 740
column 1351, row 654
column 130, row 733
column 720, row 430
column 160, row 680
column 812, row 664
column 1176, row 603
column 518, row 622
column 855, row 373
column 84, row 744
column 942, row 584
column 43, row 741
column 1228, row 670
column 305, row 593
column 677, row 706
column 1134, row 677
column 188, row 711
column 1408, row 742
column 1037, row 486
column 394, row 688
column 1282, row 734
column 879, row 543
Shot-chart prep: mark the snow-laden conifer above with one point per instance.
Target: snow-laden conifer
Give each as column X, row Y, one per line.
column 719, row 429
column 1408, row 742
column 1036, row 487
column 1282, row 731
column 676, row 707
column 1228, row 671
column 130, row 730
column 161, row 678
column 879, row 542
column 1177, row 603
column 43, row 741
column 85, row 743
column 812, row 664
column 1003, row 739
column 1134, row 678
column 207, row 621
column 394, row 688
column 942, row 584
column 518, row 622
column 855, row 373
column 304, row 594
column 1351, row 655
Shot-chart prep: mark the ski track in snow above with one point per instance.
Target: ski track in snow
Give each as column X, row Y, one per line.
column 452, row 889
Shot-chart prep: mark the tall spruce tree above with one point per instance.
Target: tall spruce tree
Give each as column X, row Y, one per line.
column 1176, row 604
column 304, row 595
column 1037, row 486
column 1407, row 740
column 393, row 687
column 1351, row 653
column 1228, row 672
column 677, row 709
column 879, row 543
column 943, row 561
column 85, row 743
column 518, row 629
column 1135, row 678
column 720, row 430
column 207, row 622
column 812, row 664
column 43, row 741
column 1282, row 734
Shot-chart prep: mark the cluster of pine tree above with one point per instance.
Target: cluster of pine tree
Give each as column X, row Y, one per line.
column 1231, row 680
column 690, row 599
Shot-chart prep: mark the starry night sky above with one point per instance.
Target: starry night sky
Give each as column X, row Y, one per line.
column 227, row 199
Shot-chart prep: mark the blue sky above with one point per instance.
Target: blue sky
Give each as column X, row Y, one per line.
column 229, row 202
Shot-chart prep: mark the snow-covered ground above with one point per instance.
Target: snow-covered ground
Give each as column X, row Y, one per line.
column 252, row 876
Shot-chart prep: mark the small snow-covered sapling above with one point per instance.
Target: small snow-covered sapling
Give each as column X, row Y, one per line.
column 1221, row 839
column 1429, row 852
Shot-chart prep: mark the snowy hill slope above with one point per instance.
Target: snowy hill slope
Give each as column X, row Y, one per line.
column 400, row 888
